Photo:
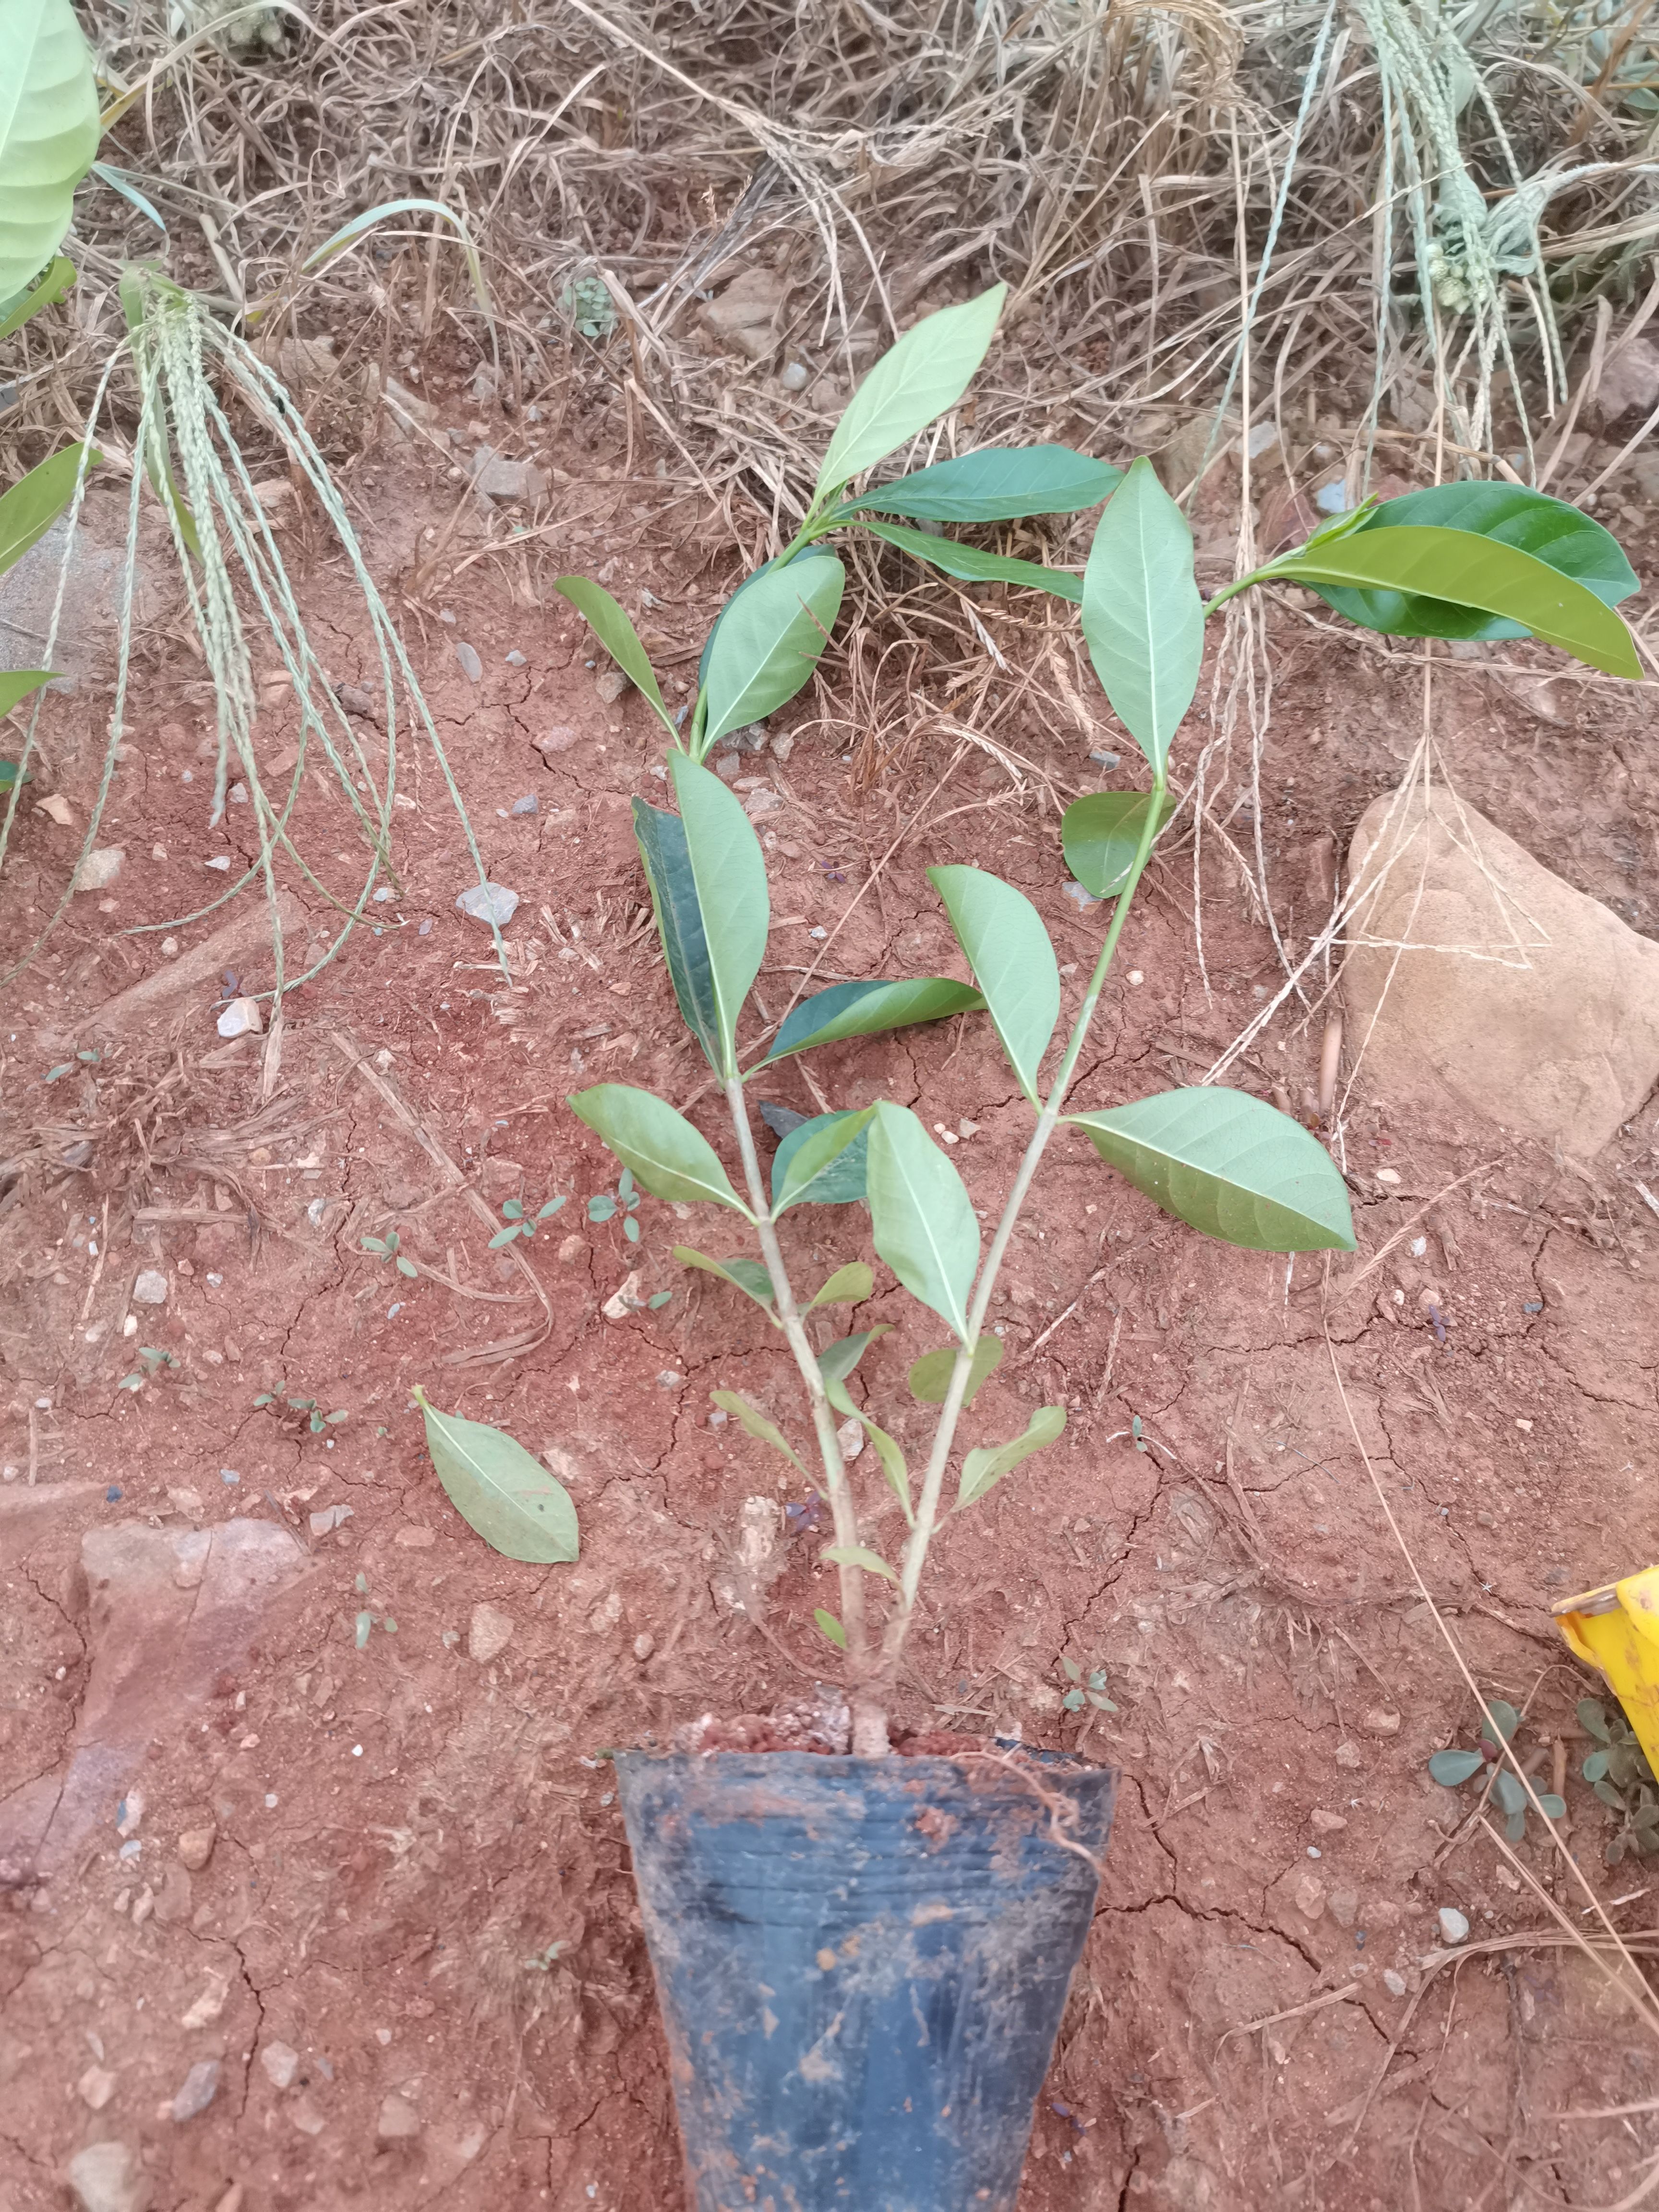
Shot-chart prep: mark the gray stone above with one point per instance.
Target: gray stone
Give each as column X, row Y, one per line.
column 796, row 377
column 196, row 1848
column 1519, row 1002
column 241, row 1018
column 558, row 739
column 488, row 1633
column 471, row 666
column 1453, row 1924
column 196, row 2091
column 525, row 805
column 1395, row 1983
column 497, row 477
column 95, row 2087
column 398, row 2120
column 281, row 2061
column 611, row 683
column 747, row 312
column 1630, row 382
column 100, row 869
column 106, row 2177
column 490, row 902
column 151, row 1289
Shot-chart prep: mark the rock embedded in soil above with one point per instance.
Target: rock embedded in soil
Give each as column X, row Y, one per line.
column 1522, row 1003
column 95, row 2087
column 196, row 1848
column 106, row 2177
column 281, row 2061
column 198, row 2090
column 398, row 2120
column 100, row 869
column 488, row 903
column 1453, row 1924
column 241, row 1018
column 558, row 739
column 150, row 1288
column 488, row 1633
column 611, row 683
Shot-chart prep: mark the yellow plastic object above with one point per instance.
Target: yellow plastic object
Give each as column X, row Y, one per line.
column 1616, row 1629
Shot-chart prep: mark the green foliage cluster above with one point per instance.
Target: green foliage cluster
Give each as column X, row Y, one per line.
column 1452, row 1768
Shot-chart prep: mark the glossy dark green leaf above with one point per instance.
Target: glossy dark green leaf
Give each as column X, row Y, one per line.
column 983, row 1470
column 998, row 483
column 824, row 1162
column 855, row 1009
column 1012, row 960
column 973, row 565
column 849, row 1286
column 748, row 1276
column 1143, row 620
column 673, row 888
column 918, row 378
column 498, row 1489
column 728, row 876
column 858, row 1555
column 1229, row 1164
column 16, row 684
column 610, row 624
column 769, row 640
column 755, row 1424
column 836, row 1361
column 1551, row 530
column 930, row 1375
column 670, row 1159
column 1477, row 572
column 34, row 503
column 1451, row 1767
column 1101, row 833
column 921, row 1216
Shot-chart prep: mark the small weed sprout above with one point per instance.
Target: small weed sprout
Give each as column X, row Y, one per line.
column 151, row 1363
column 386, row 1247
column 520, row 1222
column 1086, row 1689
column 626, row 1202
column 1619, row 1773
column 1452, row 1768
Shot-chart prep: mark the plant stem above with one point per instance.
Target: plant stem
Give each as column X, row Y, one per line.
column 915, row 1551
column 841, row 1507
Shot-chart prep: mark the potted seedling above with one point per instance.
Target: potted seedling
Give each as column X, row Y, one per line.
column 862, row 1958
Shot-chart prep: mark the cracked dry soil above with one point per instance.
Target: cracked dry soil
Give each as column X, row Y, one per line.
column 418, row 1886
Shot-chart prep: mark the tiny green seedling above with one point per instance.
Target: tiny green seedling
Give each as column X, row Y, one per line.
column 367, row 1620
column 151, row 1363
column 386, row 1247
column 605, row 1208
column 1086, row 1690
column 310, row 1416
column 1452, row 1768
column 542, row 1962
column 1619, row 1773
column 519, row 1223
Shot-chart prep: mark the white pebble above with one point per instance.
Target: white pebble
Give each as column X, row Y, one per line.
column 1453, row 1924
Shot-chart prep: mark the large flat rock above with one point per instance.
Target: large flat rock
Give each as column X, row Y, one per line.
column 1483, row 990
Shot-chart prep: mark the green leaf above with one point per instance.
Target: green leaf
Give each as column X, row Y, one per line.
column 823, row 1162
column 1012, row 960
column 1594, row 1767
column 1502, row 1716
column 998, row 483
column 513, row 1210
column 987, row 1466
column 855, row 1009
column 630, row 1230
column 924, row 373
column 1451, row 1767
column 1476, row 572
column 728, row 876
column 849, row 1286
column 1592, row 1719
column 974, row 565
column 506, row 1236
column 55, row 285
column 611, row 625
column 602, row 1208
column 15, row 685
column 49, row 133
column 1100, row 835
column 1229, row 1165
column 547, row 1211
column 1508, row 1791
column 1143, row 620
column 661, row 1299
column 888, row 1451
column 35, row 502
column 499, row 1490
column 1609, row 1796
column 769, row 641
column 930, row 1375
column 829, row 1626
column 1550, row 1803
column 663, row 848
column 1553, row 531
column 756, row 1424
column 836, row 1361
column 858, row 1555
column 407, row 1267
column 745, row 1275
column 922, row 1218
column 670, row 1159
column 359, row 223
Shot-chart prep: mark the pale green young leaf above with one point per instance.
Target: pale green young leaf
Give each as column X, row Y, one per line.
column 34, row 503
column 55, row 285
column 729, row 873
column 1229, row 1165
column 1450, row 1768
column 498, row 1489
column 1143, row 620
column 888, row 1451
column 611, row 625
column 745, row 1275
column 830, row 1628
column 755, row 1424
column 17, row 683
column 858, row 1555
column 921, row 1216
column 668, row 1156
column 49, row 133
column 1012, row 960
column 849, row 1286
column 1100, row 835
column 767, row 642
column 996, row 483
column 350, row 232
column 930, row 1375
column 925, row 373
column 971, row 564
column 825, row 1162
column 983, row 1469
column 855, row 1009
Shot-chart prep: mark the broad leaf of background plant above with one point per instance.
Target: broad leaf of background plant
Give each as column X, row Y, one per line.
column 729, row 872
column 855, row 1009
column 998, row 483
column 679, row 922
column 921, row 1216
column 748, row 1276
column 1561, row 536
column 983, row 1469
column 888, row 1450
column 1477, row 572
column 755, row 1424
column 1100, row 837
column 1229, row 1165
column 767, row 642
column 930, row 1375
column 34, row 503
column 49, row 133
column 823, row 1162
column 849, row 1286
column 667, row 1156
column 1013, row 963
column 1143, row 620
column 836, row 1361
column 973, row 565
column 55, row 285
column 927, row 371
column 611, row 625
column 17, row 683
column 498, row 1489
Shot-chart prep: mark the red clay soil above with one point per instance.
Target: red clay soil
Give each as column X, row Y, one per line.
column 418, row 1887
